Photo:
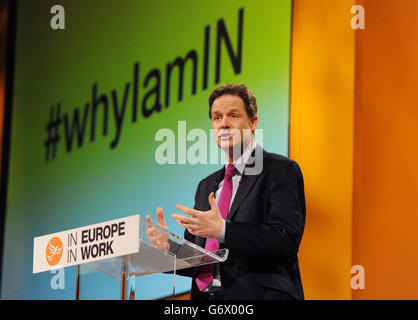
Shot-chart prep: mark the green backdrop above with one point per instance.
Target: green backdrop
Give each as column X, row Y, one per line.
column 107, row 46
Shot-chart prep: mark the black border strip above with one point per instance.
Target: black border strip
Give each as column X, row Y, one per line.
column 10, row 64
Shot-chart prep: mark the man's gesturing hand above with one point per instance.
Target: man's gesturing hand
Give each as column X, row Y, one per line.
column 158, row 238
column 206, row 224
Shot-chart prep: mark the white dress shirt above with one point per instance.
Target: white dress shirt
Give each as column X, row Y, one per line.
column 236, row 178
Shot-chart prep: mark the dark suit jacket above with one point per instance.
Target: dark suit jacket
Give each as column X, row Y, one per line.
column 264, row 228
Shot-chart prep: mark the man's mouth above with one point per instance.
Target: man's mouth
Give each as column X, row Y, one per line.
column 225, row 135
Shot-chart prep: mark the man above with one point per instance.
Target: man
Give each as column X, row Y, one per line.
column 258, row 216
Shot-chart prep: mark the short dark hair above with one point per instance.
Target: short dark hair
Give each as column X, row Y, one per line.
column 240, row 90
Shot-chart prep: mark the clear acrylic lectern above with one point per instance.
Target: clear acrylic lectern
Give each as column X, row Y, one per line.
column 171, row 253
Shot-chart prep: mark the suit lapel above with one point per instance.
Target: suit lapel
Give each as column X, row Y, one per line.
column 216, row 178
column 246, row 183
column 245, row 186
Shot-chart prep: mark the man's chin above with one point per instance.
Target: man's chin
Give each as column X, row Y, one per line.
column 232, row 149
column 228, row 145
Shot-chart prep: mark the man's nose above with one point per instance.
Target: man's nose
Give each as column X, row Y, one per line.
column 224, row 123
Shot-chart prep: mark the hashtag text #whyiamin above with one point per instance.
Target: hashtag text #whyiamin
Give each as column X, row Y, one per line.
column 75, row 128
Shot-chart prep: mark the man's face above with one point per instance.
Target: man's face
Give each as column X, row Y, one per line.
column 232, row 127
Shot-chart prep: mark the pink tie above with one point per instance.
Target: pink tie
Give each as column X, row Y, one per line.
column 205, row 276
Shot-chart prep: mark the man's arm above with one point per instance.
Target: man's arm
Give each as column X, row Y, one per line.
column 280, row 236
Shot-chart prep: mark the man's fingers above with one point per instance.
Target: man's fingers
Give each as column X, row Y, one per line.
column 188, row 220
column 160, row 217
column 212, row 201
column 188, row 210
column 148, row 218
column 183, row 220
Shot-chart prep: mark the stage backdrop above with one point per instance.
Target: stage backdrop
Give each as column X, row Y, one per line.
column 89, row 103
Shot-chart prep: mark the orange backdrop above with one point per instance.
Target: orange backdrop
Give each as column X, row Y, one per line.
column 385, row 216
column 321, row 141
column 353, row 129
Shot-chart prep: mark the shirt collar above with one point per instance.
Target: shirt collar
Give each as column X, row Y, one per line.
column 240, row 163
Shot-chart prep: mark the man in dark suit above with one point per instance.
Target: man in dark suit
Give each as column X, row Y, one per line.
column 254, row 206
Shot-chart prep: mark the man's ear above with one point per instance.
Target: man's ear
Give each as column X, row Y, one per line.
column 254, row 123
